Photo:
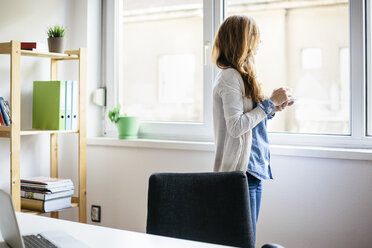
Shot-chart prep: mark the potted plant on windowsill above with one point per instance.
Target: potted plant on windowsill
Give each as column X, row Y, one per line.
column 127, row 125
column 56, row 40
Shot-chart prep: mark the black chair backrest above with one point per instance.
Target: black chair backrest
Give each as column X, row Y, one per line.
column 208, row 207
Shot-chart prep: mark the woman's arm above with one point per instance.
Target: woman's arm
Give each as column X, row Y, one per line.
column 238, row 122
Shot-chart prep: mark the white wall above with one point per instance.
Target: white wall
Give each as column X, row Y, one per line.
column 311, row 203
column 317, row 203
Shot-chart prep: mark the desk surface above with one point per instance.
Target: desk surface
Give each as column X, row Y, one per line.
column 97, row 236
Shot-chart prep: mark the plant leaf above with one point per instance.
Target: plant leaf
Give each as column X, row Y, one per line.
column 56, row 31
column 114, row 114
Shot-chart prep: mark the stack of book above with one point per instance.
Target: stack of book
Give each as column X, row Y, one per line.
column 34, row 46
column 45, row 194
column 4, row 113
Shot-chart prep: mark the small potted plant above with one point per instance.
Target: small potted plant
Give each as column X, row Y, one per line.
column 56, row 42
column 127, row 125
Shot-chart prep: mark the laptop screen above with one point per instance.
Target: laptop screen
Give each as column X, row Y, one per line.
column 8, row 222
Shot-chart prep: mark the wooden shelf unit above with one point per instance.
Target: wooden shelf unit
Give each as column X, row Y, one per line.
column 14, row 132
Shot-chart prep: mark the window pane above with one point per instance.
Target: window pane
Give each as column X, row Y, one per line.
column 305, row 46
column 161, row 53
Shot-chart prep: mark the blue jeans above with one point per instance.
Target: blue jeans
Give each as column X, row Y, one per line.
column 255, row 192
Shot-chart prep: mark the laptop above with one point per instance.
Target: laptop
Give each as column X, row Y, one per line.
column 12, row 236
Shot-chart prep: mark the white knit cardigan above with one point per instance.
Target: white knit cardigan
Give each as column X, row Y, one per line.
column 233, row 120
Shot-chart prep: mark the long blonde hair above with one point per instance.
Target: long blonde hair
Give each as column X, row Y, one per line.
column 234, row 46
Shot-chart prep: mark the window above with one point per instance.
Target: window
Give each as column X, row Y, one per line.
column 301, row 44
column 174, row 88
column 158, row 53
column 161, row 66
column 311, row 58
column 162, row 49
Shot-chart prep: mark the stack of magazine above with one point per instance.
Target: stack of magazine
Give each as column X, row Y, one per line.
column 45, row 194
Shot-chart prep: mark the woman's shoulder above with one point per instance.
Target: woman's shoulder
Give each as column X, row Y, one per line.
column 229, row 78
column 229, row 72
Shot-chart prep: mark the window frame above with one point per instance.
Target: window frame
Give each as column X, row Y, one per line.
column 183, row 130
column 368, row 39
column 214, row 13
column 358, row 137
column 161, row 130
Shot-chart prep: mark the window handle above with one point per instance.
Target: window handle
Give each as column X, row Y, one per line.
column 207, row 44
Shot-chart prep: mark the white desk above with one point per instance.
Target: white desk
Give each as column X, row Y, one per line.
column 97, row 236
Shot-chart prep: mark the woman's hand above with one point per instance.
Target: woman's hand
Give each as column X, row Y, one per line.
column 280, row 96
column 283, row 105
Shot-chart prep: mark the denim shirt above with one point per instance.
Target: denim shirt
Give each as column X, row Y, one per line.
column 259, row 160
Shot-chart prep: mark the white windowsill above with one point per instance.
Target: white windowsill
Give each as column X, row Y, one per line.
column 281, row 150
column 152, row 143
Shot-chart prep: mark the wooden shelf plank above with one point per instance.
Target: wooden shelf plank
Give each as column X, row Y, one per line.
column 73, row 205
column 35, row 132
column 4, row 132
column 59, row 56
column 75, row 52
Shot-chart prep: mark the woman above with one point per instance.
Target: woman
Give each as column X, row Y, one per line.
column 240, row 109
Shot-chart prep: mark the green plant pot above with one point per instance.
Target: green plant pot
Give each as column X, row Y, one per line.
column 128, row 127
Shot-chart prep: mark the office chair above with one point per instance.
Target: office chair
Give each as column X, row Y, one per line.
column 207, row 207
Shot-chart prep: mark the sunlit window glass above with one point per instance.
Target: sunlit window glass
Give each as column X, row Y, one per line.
column 305, row 47
column 161, row 44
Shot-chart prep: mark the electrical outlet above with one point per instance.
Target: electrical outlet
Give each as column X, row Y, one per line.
column 95, row 213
